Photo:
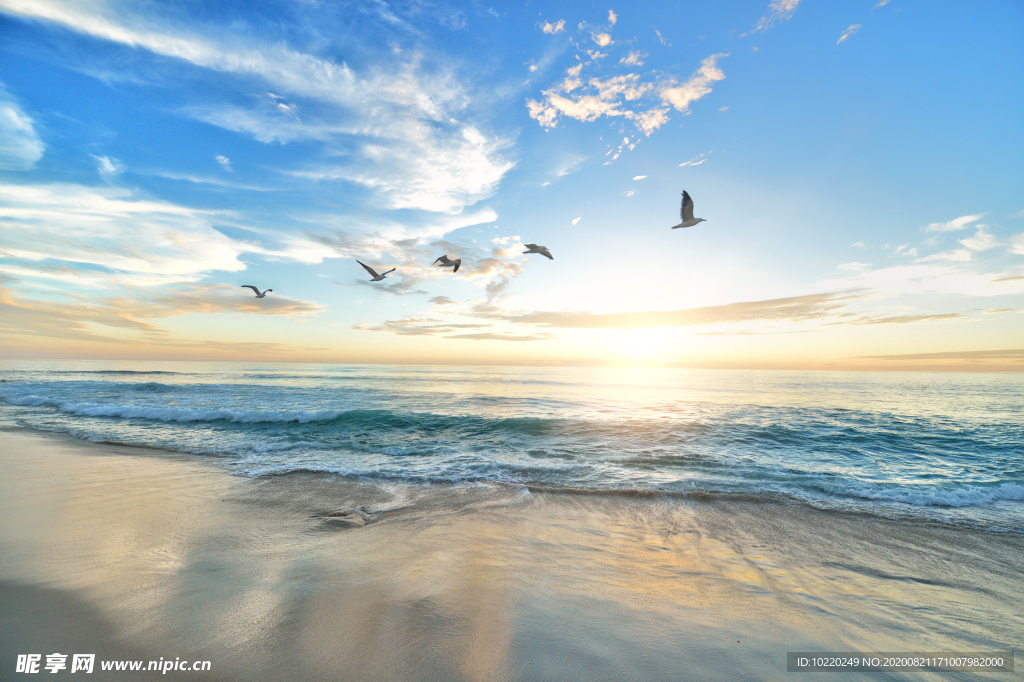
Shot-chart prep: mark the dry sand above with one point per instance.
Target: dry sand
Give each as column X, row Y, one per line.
column 132, row 553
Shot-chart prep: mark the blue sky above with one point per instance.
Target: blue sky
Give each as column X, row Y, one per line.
column 858, row 165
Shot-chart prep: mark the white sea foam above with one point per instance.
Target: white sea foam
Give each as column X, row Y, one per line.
column 967, row 496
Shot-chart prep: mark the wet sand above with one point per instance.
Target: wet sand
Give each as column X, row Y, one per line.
column 132, row 553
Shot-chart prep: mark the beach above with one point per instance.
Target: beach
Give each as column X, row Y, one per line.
column 141, row 553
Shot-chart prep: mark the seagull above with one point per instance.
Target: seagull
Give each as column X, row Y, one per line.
column 446, row 262
column 686, row 213
column 259, row 294
column 373, row 273
column 542, row 250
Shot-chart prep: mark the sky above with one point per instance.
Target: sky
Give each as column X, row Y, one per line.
column 858, row 166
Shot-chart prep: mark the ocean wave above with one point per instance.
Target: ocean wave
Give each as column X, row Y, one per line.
column 177, row 414
column 152, row 387
column 966, row 496
column 123, row 371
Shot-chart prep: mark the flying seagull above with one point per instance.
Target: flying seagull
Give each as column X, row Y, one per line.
column 447, row 262
column 686, row 213
column 373, row 273
column 259, row 294
column 542, row 250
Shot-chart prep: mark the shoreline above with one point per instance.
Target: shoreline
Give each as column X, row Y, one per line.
column 936, row 516
column 134, row 551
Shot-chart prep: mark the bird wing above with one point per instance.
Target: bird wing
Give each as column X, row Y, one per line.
column 686, row 211
column 458, row 262
column 391, row 270
column 443, row 259
column 547, row 253
column 367, row 268
column 530, row 246
column 249, row 286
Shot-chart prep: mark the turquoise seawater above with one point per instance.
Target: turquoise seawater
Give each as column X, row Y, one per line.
column 943, row 448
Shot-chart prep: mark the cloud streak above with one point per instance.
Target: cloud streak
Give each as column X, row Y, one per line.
column 778, row 11
column 955, row 224
column 853, row 28
column 20, row 146
column 84, row 317
column 395, row 115
column 791, row 309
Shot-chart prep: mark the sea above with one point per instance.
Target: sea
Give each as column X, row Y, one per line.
column 939, row 448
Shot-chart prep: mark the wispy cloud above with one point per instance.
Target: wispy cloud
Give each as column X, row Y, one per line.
column 792, row 309
column 1008, row 354
column 899, row 319
column 697, row 160
column 395, row 114
column 612, row 17
column 778, row 11
column 1017, row 244
column 628, row 96
column 20, row 146
column 981, row 241
column 697, row 86
column 853, row 28
column 554, row 28
column 426, row 326
column 224, row 162
column 79, row 315
column 125, row 238
column 955, row 224
column 634, row 58
column 108, row 166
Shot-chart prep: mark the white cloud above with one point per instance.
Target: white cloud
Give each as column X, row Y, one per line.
column 778, row 11
column 855, row 267
column 952, row 275
column 697, row 86
column 853, row 28
column 554, row 28
column 630, row 192
column 981, row 241
column 881, row 3
column 396, row 112
column 612, row 17
column 602, row 39
column 225, row 162
column 649, row 121
column 694, row 161
column 1017, row 244
column 639, row 177
column 622, row 96
column 723, row 108
column 634, row 58
column 118, row 237
column 108, row 166
column 430, row 174
column 955, row 224
column 20, row 146
column 576, row 220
